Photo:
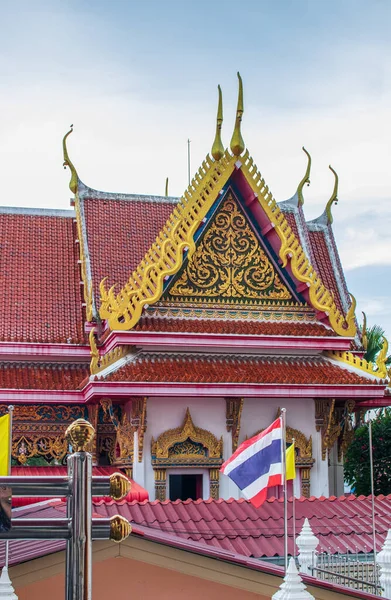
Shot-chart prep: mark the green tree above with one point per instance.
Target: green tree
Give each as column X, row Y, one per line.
column 357, row 466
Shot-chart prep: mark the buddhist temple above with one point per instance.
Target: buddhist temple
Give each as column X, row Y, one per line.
column 181, row 326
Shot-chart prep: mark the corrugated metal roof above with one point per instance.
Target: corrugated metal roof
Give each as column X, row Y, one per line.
column 341, row 524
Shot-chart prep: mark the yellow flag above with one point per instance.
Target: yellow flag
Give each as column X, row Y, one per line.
column 5, row 432
column 290, row 463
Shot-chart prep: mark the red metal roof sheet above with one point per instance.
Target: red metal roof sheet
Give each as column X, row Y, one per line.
column 235, row 369
column 34, row 376
column 119, row 233
column 341, row 524
column 269, row 328
column 137, row 493
column 40, row 280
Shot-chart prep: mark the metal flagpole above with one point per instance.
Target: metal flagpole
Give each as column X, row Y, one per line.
column 283, row 460
column 188, row 160
column 373, row 496
column 294, row 508
column 11, row 414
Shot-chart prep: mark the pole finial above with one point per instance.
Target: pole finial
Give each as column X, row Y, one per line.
column 305, row 180
column 68, row 163
column 334, row 198
column 79, row 434
column 166, row 189
column 237, row 143
column 218, row 148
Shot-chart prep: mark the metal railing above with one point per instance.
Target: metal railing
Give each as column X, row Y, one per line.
column 357, row 571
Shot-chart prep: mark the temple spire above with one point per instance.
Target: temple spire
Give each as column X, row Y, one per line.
column 218, row 148
column 237, row 143
column 305, row 180
column 166, row 189
column 334, row 198
column 68, row 163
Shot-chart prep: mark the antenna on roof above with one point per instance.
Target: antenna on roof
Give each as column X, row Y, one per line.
column 188, row 160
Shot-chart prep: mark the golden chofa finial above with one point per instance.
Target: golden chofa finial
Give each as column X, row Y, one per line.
column 68, row 163
column 305, row 180
column 218, row 148
column 166, row 188
column 237, row 143
column 334, row 198
column 364, row 334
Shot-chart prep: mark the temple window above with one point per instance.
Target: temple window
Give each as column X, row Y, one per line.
column 184, row 487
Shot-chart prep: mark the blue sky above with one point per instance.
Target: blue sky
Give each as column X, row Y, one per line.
column 138, row 78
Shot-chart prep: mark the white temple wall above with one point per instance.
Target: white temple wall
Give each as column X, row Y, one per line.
column 169, row 413
column 210, row 413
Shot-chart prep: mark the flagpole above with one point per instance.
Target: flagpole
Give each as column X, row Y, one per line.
column 294, row 509
column 10, row 411
column 373, row 496
column 283, row 460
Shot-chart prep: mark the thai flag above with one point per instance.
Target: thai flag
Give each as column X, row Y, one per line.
column 257, row 464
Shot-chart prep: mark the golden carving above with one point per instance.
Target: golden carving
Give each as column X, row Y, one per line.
column 94, row 364
column 93, row 417
column 107, row 445
column 229, row 263
column 120, row 528
column 333, row 199
column 218, row 148
column 124, row 430
column 35, row 445
column 139, row 422
column 119, row 486
column 347, row 428
column 237, row 143
column 80, row 434
column 332, row 430
column 305, row 180
column 360, row 363
column 214, row 480
column 161, row 447
column 234, row 407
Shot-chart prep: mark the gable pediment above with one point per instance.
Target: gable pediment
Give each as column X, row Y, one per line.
column 229, row 265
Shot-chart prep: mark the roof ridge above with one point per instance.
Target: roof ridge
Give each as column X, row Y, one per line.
column 84, row 191
column 39, row 212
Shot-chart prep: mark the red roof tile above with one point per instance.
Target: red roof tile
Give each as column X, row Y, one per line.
column 148, row 323
column 234, row 369
column 119, row 233
column 30, row 376
column 40, row 279
column 136, row 491
column 341, row 524
column 324, row 265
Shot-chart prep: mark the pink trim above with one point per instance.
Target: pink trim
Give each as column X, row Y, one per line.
column 117, row 389
column 208, row 340
column 28, row 351
column 46, row 396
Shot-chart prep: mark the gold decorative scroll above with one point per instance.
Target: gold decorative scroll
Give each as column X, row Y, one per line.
column 188, row 431
column 228, row 264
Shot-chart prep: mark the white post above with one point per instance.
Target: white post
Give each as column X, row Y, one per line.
column 307, row 543
column 7, row 592
column 384, row 561
column 292, row 587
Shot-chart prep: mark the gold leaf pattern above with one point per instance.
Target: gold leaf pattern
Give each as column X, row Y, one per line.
column 229, row 263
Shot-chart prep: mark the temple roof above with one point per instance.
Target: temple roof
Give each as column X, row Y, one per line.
column 232, row 326
column 42, row 376
column 40, row 278
column 218, row 368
